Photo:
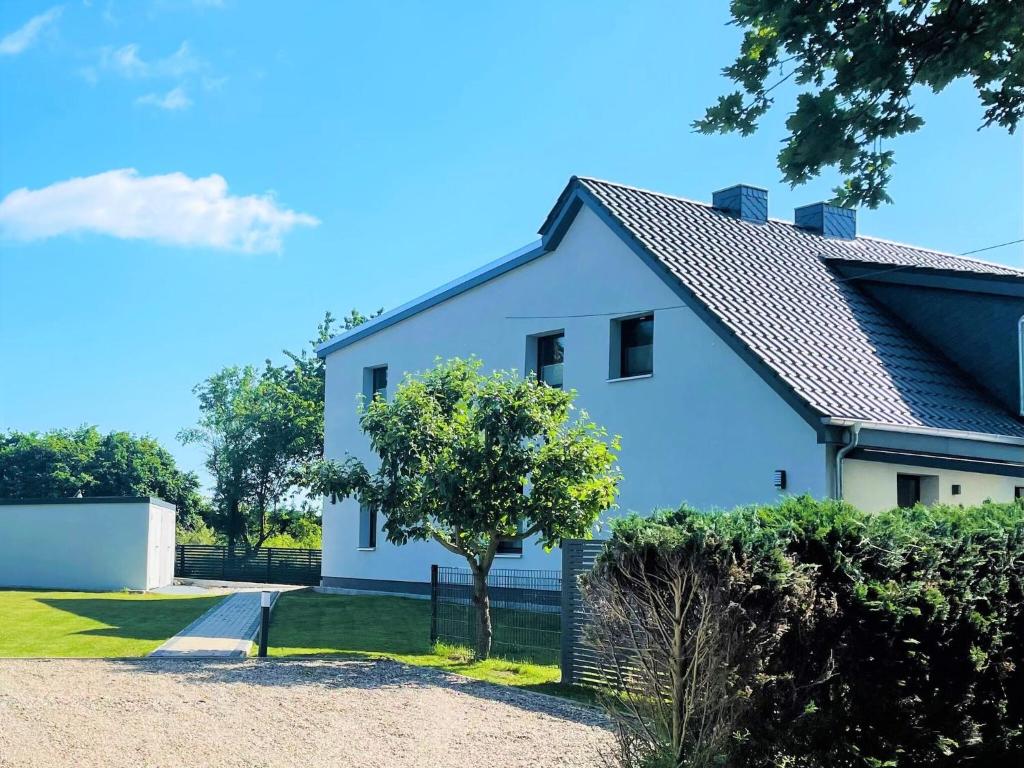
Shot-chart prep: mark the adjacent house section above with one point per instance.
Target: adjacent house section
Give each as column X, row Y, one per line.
column 738, row 357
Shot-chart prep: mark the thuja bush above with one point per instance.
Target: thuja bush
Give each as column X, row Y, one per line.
column 843, row 638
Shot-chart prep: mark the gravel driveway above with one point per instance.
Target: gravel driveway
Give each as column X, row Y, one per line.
column 149, row 712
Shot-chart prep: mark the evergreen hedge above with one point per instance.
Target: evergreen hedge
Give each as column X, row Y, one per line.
column 899, row 636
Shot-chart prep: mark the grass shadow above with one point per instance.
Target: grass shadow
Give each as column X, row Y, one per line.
column 140, row 619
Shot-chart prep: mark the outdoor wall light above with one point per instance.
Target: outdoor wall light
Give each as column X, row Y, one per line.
column 265, row 600
column 780, row 479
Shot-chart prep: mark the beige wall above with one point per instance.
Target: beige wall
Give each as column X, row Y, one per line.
column 871, row 485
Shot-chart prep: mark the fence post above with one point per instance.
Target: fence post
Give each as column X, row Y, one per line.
column 433, row 604
column 569, row 549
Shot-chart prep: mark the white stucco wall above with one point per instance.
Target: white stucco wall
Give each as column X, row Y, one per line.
column 704, row 428
column 87, row 545
column 871, row 485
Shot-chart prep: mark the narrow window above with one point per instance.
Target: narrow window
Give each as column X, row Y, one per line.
column 375, row 382
column 1020, row 361
column 908, row 490
column 1018, row 492
column 380, row 382
column 550, row 358
column 636, row 346
column 367, row 527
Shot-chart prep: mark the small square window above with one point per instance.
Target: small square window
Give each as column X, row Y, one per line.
column 367, row 527
column 550, row 358
column 1018, row 492
column 632, row 347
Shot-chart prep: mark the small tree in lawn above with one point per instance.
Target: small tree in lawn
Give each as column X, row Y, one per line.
column 468, row 459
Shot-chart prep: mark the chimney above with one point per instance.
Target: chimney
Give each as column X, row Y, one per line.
column 828, row 220
column 743, row 201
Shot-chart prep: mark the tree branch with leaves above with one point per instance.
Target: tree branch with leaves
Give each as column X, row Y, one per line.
column 468, row 459
column 860, row 61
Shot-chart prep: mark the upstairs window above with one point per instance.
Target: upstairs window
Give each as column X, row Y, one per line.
column 632, row 347
column 375, row 382
column 550, row 358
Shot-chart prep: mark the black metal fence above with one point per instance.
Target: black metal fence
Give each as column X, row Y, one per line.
column 267, row 565
column 526, row 611
column 580, row 665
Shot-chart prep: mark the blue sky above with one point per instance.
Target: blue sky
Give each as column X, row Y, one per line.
column 243, row 167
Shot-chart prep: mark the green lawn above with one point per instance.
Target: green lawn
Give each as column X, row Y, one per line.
column 92, row 624
column 310, row 623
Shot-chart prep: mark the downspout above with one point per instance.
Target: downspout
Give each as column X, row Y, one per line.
column 841, row 454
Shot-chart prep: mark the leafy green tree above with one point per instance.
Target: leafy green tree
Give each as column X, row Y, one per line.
column 259, row 428
column 468, row 459
column 64, row 463
column 257, row 434
column 859, row 62
column 306, row 377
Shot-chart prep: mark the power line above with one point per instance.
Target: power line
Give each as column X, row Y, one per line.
column 992, row 247
column 593, row 314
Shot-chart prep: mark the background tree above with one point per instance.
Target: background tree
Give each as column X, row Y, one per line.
column 468, row 459
column 257, row 434
column 259, row 428
column 63, row 463
column 860, row 61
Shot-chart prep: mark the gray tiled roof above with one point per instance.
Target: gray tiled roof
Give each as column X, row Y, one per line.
column 840, row 352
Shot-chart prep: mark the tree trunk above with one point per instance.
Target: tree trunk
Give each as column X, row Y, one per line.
column 482, row 603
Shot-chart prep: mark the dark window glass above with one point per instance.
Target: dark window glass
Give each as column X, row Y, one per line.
column 367, row 527
column 637, row 346
column 379, row 382
column 550, row 357
column 1018, row 492
column 908, row 490
column 510, row 547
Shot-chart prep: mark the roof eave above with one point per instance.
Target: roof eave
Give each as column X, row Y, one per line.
column 477, row 277
column 956, row 434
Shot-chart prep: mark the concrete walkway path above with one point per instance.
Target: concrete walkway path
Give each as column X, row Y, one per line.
column 227, row 630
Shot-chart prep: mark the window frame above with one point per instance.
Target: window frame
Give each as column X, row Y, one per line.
column 541, row 340
column 618, row 350
column 916, row 480
column 370, row 543
column 370, row 389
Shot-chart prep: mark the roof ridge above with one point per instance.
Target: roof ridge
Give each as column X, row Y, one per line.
column 703, row 204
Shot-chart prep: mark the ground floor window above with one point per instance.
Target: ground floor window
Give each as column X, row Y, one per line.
column 367, row 527
column 908, row 490
column 1018, row 492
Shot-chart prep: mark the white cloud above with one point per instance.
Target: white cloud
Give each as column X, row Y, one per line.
column 126, row 62
column 174, row 99
column 20, row 39
column 170, row 208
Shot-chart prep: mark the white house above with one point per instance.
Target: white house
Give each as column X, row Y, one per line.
column 738, row 357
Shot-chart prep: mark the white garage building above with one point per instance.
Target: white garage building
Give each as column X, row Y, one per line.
column 99, row 543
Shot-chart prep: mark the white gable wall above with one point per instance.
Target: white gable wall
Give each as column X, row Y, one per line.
column 704, row 429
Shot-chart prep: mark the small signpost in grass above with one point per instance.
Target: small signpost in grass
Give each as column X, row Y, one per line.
column 265, row 599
